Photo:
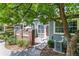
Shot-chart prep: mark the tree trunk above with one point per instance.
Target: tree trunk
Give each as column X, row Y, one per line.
column 63, row 18
column 71, row 42
column 33, row 37
column 72, row 45
column 65, row 25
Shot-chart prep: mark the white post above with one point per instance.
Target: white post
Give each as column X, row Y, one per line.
column 55, row 45
column 61, row 42
column 4, row 28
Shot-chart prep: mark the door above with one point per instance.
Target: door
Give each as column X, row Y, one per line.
column 41, row 31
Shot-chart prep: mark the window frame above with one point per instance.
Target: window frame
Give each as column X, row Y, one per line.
column 39, row 33
column 54, row 30
column 3, row 29
column 40, row 29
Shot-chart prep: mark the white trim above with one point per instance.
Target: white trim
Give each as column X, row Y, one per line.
column 58, row 51
column 54, row 27
column 58, row 33
column 39, row 32
column 49, row 28
column 63, row 33
column 3, row 30
column 41, row 29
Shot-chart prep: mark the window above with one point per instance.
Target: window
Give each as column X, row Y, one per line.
column 17, row 28
column 2, row 29
column 72, row 27
column 41, row 31
column 40, row 28
column 58, row 27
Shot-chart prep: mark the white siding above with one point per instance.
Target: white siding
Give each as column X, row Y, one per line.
column 50, row 29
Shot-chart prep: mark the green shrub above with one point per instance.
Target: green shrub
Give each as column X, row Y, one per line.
column 1, row 37
column 23, row 43
column 51, row 43
column 6, row 37
column 11, row 40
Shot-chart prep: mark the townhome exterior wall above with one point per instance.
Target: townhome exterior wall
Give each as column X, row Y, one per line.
column 57, row 36
column 50, row 30
column 77, row 24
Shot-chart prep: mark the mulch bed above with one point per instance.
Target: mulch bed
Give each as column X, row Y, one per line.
column 49, row 52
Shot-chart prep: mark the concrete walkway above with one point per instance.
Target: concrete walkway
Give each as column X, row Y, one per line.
column 34, row 51
column 3, row 50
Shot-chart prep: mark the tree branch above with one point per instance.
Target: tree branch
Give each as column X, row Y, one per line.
column 67, row 16
column 27, row 10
